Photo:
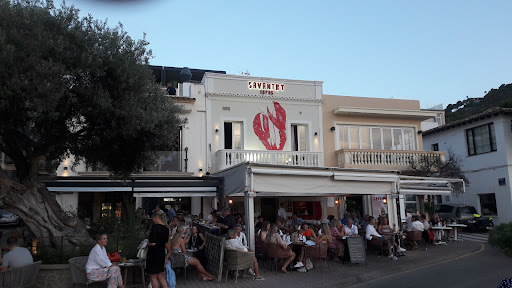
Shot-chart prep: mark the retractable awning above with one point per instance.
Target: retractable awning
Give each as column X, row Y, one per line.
column 427, row 185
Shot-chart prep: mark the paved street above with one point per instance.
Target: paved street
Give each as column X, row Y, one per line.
column 480, row 269
column 476, row 237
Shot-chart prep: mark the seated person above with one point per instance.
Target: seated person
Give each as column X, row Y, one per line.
column 178, row 246
column 232, row 243
column 415, row 225
column 174, row 224
column 99, row 267
column 426, row 226
column 296, row 221
column 354, row 218
column 307, row 232
column 365, row 222
column 371, row 233
column 384, row 228
column 285, row 251
column 16, row 257
column 351, row 229
column 212, row 217
column 265, row 227
column 259, row 223
column 325, row 236
column 337, row 233
column 241, row 235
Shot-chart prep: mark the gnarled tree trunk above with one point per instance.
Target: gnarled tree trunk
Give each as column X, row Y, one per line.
column 43, row 215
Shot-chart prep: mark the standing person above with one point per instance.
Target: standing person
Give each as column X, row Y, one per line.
column 170, row 89
column 282, row 212
column 172, row 212
column 426, row 226
column 212, row 217
column 157, row 258
column 99, row 267
column 16, row 257
column 226, row 221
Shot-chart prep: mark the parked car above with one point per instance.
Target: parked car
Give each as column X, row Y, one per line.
column 455, row 213
column 8, row 218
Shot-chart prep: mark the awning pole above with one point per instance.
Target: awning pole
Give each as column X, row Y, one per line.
column 249, row 213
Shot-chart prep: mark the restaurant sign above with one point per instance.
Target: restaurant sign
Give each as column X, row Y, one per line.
column 266, row 88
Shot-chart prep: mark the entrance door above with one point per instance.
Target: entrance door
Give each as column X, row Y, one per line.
column 355, row 204
column 269, row 209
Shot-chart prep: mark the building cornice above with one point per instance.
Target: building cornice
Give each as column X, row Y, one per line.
column 251, row 78
column 210, row 94
column 400, row 113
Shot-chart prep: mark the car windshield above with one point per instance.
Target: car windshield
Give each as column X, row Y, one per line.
column 443, row 208
column 464, row 210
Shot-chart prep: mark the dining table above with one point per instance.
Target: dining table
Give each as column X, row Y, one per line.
column 456, row 227
column 438, row 231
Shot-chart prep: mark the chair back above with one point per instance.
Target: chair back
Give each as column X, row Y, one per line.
column 414, row 235
column 20, row 277
column 178, row 260
column 238, row 260
column 214, row 251
column 275, row 250
column 77, row 268
column 317, row 251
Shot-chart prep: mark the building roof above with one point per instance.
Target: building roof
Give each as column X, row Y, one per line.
column 484, row 115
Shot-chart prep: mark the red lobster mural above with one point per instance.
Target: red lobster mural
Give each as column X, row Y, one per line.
column 268, row 133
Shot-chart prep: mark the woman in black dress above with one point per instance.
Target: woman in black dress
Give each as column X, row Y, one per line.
column 157, row 258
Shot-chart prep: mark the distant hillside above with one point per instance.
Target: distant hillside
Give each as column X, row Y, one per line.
column 501, row 97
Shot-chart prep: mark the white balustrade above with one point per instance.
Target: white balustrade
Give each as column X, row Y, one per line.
column 390, row 158
column 228, row 158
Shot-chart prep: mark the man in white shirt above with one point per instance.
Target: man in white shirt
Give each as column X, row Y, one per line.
column 232, row 243
column 350, row 228
column 371, row 233
column 241, row 235
column 16, row 257
column 282, row 212
column 415, row 225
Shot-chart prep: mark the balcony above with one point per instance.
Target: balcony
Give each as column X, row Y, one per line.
column 228, row 158
column 385, row 159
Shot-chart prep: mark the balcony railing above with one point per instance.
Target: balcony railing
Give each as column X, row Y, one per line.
column 228, row 158
column 167, row 161
column 385, row 159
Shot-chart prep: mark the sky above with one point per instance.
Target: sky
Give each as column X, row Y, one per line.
column 437, row 51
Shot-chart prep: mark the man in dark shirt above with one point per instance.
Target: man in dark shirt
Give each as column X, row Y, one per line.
column 170, row 89
column 258, row 224
column 226, row 221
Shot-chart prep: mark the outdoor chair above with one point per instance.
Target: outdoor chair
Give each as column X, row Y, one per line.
column 260, row 248
column 238, row 260
column 20, row 277
column 214, row 252
column 78, row 273
column 415, row 236
column 178, row 261
column 272, row 252
column 318, row 252
column 376, row 242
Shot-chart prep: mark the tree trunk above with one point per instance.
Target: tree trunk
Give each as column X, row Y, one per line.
column 42, row 214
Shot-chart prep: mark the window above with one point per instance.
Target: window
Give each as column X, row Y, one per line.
column 299, row 137
column 439, row 119
column 375, row 138
column 411, row 205
column 488, row 204
column 481, row 139
column 233, row 135
column 435, row 147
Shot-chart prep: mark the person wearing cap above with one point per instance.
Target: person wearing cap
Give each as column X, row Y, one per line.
column 226, row 221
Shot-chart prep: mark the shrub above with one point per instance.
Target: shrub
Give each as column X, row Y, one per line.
column 501, row 237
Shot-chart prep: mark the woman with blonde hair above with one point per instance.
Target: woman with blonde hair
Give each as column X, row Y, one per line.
column 157, row 245
column 100, row 268
column 178, row 246
column 325, row 236
column 337, row 234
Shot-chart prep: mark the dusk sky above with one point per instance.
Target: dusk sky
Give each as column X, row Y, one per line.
column 432, row 51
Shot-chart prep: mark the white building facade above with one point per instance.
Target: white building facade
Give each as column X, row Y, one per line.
column 484, row 143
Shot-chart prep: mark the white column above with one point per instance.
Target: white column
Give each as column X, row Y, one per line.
column 195, row 205
column 249, row 218
column 138, row 203
column 341, row 208
column 323, row 203
column 392, row 212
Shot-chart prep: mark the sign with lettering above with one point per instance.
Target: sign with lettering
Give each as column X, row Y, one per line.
column 266, row 88
column 356, row 250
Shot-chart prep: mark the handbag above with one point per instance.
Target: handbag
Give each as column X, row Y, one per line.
column 143, row 249
column 309, row 264
column 114, row 257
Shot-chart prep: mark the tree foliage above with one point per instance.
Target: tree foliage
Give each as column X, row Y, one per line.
column 436, row 167
column 501, row 97
column 71, row 85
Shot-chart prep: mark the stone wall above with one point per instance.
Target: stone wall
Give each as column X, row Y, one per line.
column 54, row 276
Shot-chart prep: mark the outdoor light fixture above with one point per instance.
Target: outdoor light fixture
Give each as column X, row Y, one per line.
column 385, row 200
column 333, row 128
column 217, row 131
column 316, row 134
column 65, row 168
column 200, row 169
column 337, row 201
column 230, row 201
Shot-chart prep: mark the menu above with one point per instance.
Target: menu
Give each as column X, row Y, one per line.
column 356, row 250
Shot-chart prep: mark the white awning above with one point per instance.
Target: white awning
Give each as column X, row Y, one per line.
column 175, row 194
column 89, row 189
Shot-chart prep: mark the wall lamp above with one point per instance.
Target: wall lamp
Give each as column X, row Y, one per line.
column 333, row 128
column 385, row 200
column 230, row 201
column 316, row 134
column 216, row 130
column 337, row 201
column 65, row 168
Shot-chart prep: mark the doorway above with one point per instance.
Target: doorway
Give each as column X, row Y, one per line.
column 269, row 209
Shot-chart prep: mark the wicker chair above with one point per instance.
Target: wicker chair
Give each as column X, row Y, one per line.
column 318, row 252
column 214, row 252
column 376, row 242
column 237, row 260
column 272, row 251
column 178, row 261
column 20, row 277
column 416, row 236
column 78, row 273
